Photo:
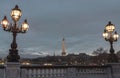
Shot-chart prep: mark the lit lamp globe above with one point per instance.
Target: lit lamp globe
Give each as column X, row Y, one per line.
column 5, row 23
column 25, row 26
column 105, row 35
column 16, row 13
column 110, row 27
column 115, row 36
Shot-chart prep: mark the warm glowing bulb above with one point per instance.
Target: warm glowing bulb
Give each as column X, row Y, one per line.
column 16, row 13
column 110, row 27
column 5, row 23
column 115, row 36
column 105, row 34
column 25, row 26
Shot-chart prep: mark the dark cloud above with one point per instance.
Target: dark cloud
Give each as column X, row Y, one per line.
column 80, row 22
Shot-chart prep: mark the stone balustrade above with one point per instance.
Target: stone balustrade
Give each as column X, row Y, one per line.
column 66, row 72
column 2, row 71
column 16, row 70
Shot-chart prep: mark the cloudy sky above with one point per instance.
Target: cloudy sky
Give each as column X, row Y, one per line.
column 80, row 22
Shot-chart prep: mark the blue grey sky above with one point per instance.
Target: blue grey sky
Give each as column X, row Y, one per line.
column 80, row 22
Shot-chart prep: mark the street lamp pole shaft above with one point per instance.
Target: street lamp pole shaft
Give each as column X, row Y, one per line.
column 111, row 47
column 13, row 52
column 112, row 56
column 14, row 44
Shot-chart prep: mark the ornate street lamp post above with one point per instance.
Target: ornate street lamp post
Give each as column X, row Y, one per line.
column 111, row 36
column 14, row 29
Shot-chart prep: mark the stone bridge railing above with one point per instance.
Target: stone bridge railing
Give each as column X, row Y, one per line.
column 2, row 71
column 66, row 72
column 16, row 70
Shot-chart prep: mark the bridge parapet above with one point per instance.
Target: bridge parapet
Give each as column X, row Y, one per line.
column 16, row 70
column 66, row 72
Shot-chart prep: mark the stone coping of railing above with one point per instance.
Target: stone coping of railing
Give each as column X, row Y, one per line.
column 62, row 66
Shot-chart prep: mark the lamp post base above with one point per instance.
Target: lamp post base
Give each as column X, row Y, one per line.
column 13, row 70
column 112, row 58
column 13, row 56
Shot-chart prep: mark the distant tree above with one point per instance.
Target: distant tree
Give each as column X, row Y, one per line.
column 118, row 52
column 83, row 58
column 99, row 51
column 100, row 56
